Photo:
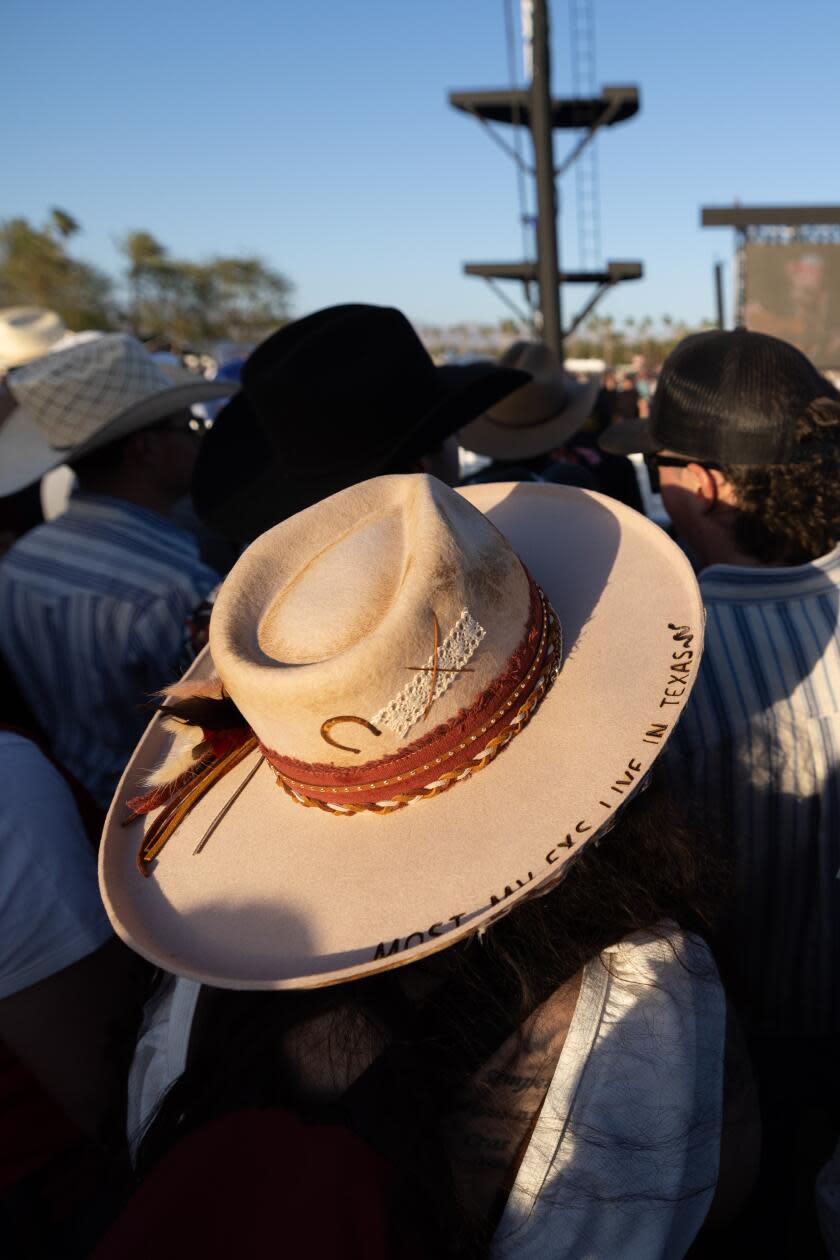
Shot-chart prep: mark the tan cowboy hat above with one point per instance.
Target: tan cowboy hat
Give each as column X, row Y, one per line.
column 537, row 416
column 27, row 332
column 410, row 730
column 76, row 400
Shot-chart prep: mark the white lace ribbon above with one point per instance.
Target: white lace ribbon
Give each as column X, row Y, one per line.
column 453, row 654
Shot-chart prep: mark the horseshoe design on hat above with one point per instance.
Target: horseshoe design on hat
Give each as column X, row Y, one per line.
column 327, row 726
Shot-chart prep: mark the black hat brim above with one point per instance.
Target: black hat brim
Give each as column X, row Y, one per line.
column 631, row 436
column 461, row 392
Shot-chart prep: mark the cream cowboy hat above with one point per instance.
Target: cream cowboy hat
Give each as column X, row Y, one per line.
column 410, row 730
column 76, row 400
column 27, row 332
column 537, row 416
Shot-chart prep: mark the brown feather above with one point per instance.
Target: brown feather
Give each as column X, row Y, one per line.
column 180, row 756
column 204, row 711
column 188, row 688
column 201, row 702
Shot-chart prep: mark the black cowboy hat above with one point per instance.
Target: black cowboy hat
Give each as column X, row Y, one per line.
column 328, row 401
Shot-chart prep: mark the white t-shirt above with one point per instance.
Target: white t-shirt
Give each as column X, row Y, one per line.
column 51, row 914
column 623, row 1160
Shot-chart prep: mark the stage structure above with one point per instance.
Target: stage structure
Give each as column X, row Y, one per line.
column 787, row 274
column 533, row 108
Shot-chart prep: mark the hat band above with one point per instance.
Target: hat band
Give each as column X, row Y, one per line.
column 517, row 425
column 454, row 754
column 552, row 397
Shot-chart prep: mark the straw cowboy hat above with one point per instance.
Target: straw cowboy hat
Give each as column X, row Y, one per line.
column 540, row 415
column 428, row 701
column 74, row 401
column 27, row 332
column 328, row 401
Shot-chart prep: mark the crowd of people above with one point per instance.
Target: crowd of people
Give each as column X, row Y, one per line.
column 396, row 864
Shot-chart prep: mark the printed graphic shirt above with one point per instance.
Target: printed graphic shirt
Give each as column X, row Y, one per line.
column 759, row 747
column 93, row 611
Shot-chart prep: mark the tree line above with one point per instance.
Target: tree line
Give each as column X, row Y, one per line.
column 186, row 303
column 193, row 305
column 618, row 343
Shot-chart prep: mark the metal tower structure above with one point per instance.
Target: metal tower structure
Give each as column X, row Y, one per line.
column 534, row 108
column 587, row 183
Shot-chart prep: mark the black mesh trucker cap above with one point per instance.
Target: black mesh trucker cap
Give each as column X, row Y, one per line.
column 728, row 398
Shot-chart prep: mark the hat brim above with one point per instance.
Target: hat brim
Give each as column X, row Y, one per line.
column 25, row 453
column 465, row 390
column 287, row 897
column 22, row 358
column 244, row 482
column 486, row 436
column 629, row 437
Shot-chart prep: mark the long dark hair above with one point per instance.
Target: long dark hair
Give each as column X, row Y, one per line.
column 650, row 868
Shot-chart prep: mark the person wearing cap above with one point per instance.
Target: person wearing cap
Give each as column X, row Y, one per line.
column 94, row 605
column 744, row 444
column 381, row 834
column 342, row 395
column 532, row 434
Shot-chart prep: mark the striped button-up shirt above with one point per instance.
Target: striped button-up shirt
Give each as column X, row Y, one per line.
column 759, row 746
column 94, row 609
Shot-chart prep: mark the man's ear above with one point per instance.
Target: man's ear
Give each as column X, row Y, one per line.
column 711, row 486
column 704, row 485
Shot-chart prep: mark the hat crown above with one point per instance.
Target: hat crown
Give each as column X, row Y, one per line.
column 540, row 398
column 734, row 397
column 531, row 356
column 72, row 394
column 347, row 371
column 393, row 603
column 27, row 332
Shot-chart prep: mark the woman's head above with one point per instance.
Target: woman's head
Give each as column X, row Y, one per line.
column 303, row 1049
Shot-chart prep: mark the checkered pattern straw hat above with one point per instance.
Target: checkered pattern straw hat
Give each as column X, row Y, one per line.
column 418, row 705
column 77, row 400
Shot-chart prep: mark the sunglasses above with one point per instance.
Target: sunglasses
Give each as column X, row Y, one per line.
column 655, row 461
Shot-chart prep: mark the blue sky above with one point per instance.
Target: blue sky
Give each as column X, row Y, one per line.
column 317, row 134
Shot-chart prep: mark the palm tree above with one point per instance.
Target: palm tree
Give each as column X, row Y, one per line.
column 63, row 223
